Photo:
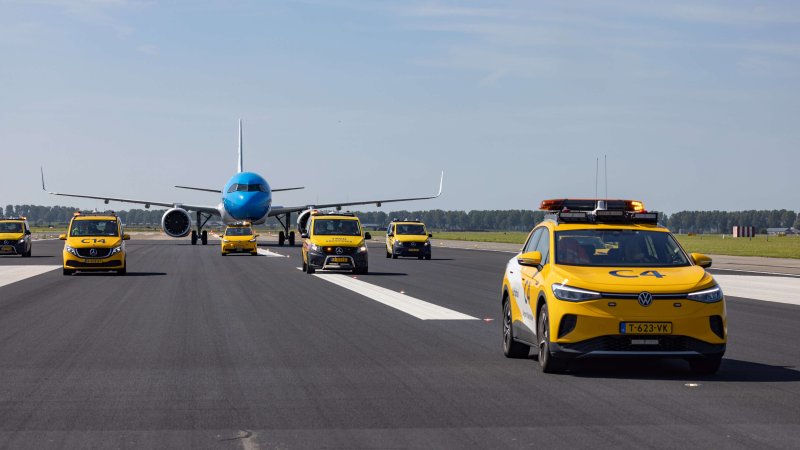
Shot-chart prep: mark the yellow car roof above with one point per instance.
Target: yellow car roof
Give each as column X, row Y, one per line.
column 95, row 217
column 605, row 226
column 334, row 216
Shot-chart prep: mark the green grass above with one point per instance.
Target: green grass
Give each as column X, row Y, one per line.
column 712, row 244
column 769, row 246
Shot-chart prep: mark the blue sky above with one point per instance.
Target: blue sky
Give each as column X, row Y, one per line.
column 695, row 103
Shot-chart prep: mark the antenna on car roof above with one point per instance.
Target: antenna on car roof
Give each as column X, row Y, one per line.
column 596, row 172
column 605, row 161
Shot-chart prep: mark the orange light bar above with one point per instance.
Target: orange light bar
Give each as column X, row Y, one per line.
column 588, row 204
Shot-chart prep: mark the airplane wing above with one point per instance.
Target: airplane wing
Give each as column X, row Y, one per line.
column 205, row 209
column 278, row 210
column 220, row 192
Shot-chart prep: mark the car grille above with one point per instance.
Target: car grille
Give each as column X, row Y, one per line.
column 100, row 252
column 624, row 344
column 345, row 250
column 82, row 264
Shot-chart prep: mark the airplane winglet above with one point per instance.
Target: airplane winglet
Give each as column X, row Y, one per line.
column 441, row 184
column 41, row 169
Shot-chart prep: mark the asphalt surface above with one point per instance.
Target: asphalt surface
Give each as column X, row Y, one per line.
column 193, row 350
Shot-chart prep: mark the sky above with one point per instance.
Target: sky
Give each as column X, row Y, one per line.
column 695, row 104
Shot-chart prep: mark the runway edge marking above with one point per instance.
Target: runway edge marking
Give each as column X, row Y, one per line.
column 12, row 274
column 401, row 302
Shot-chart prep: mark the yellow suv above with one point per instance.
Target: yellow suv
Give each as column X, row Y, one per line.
column 95, row 242
column 408, row 238
column 15, row 237
column 601, row 278
column 335, row 241
column 239, row 238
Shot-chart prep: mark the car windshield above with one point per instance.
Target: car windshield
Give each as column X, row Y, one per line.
column 618, row 248
column 336, row 227
column 93, row 228
column 417, row 230
column 10, row 227
column 239, row 231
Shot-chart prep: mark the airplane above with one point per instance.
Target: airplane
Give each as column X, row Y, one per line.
column 245, row 197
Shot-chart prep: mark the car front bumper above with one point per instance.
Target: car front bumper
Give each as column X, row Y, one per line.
column 72, row 262
column 239, row 247
column 328, row 261
column 12, row 248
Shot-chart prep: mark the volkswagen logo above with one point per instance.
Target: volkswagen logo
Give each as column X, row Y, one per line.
column 645, row 298
column 339, row 250
column 93, row 252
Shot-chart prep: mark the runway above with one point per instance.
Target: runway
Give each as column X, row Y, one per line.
column 193, row 350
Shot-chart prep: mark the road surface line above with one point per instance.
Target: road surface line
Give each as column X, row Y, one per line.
column 270, row 253
column 12, row 274
column 769, row 289
column 407, row 304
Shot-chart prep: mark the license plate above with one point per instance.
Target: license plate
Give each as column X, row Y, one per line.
column 340, row 260
column 91, row 261
column 413, row 249
column 645, row 328
column 7, row 249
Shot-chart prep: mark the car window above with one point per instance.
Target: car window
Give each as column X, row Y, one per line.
column 336, row 227
column 543, row 246
column 10, row 227
column 619, row 248
column 94, row 228
column 531, row 244
column 238, row 231
column 415, row 230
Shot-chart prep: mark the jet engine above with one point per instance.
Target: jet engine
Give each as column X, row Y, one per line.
column 302, row 220
column 176, row 222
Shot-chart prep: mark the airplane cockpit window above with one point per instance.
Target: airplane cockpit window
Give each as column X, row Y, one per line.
column 234, row 187
column 249, row 188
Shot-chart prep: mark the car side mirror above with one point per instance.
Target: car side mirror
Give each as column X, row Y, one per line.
column 126, row 237
column 28, row 232
column 256, row 235
column 63, row 237
column 530, row 259
column 367, row 236
column 390, row 234
column 701, row 260
column 430, row 234
column 304, row 235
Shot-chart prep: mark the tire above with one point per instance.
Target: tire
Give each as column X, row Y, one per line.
column 291, row 239
column 308, row 269
column 394, row 255
column 305, row 266
column 511, row 348
column 705, row 366
column 124, row 270
column 361, row 270
column 547, row 362
column 388, row 255
column 224, row 254
column 281, row 238
column 420, row 257
column 204, row 237
column 428, row 257
column 253, row 253
column 194, row 237
column 68, row 272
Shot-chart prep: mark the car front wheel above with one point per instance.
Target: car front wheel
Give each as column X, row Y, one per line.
column 547, row 362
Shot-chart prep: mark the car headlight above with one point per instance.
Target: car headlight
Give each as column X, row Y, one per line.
column 252, row 240
column 116, row 250
column 571, row 294
column 712, row 295
column 21, row 241
column 225, row 241
column 362, row 249
column 427, row 243
column 71, row 250
column 314, row 247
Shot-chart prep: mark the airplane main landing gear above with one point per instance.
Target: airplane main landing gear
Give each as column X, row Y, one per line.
column 200, row 232
column 285, row 235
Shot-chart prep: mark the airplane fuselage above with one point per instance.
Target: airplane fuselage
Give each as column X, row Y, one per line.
column 246, row 197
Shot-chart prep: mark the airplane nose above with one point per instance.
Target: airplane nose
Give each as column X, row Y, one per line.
column 248, row 206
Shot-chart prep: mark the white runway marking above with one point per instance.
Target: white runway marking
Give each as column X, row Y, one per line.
column 12, row 274
column 409, row 305
column 270, row 253
column 770, row 289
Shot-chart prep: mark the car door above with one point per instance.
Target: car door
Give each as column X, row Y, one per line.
column 533, row 277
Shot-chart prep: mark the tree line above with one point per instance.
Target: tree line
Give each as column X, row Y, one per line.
column 475, row 220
